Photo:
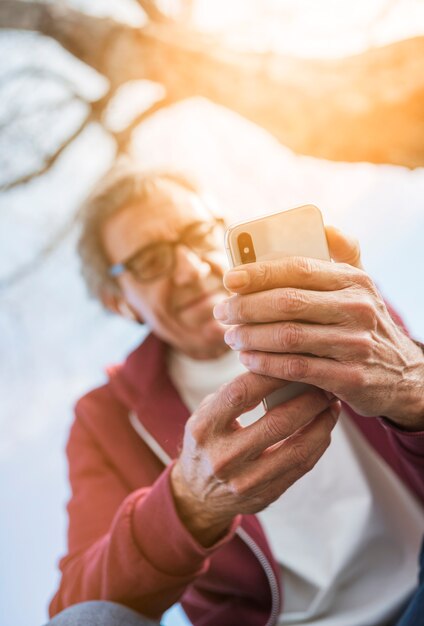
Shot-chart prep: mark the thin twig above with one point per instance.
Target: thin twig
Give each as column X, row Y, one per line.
column 122, row 140
column 153, row 12
column 123, row 137
column 96, row 109
column 49, row 161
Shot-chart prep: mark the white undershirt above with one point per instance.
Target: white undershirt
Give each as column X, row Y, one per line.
column 346, row 535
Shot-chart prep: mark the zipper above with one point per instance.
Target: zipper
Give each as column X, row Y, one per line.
column 148, row 439
column 266, row 566
column 157, row 449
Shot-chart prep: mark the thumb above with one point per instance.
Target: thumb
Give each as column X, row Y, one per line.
column 343, row 248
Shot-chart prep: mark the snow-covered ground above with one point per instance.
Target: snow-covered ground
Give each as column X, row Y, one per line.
column 55, row 342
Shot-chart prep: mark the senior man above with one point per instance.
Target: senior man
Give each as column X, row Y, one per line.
column 182, row 489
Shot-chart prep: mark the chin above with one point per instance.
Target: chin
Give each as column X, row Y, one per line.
column 205, row 339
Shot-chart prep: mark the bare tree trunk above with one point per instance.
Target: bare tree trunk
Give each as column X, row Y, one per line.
column 368, row 107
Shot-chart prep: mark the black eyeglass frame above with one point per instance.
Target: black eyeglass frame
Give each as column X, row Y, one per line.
column 119, row 268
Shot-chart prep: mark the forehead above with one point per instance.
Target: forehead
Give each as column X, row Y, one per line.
column 162, row 217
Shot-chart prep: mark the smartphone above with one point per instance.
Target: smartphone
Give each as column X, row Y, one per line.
column 296, row 232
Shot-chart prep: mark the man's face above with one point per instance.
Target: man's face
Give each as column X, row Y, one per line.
column 177, row 307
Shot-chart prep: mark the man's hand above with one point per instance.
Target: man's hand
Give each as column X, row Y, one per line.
column 225, row 469
column 325, row 323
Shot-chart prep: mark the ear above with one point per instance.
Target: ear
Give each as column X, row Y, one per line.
column 117, row 304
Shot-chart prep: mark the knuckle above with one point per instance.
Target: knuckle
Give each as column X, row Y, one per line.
column 240, row 487
column 273, row 427
column 300, row 454
column 368, row 312
column 302, row 266
column 293, row 300
column 220, row 466
column 364, row 280
column 363, row 310
column 195, row 427
column 236, row 393
column 287, row 300
column 296, row 368
column 235, row 486
column 288, row 336
column 364, row 346
column 278, row 302
column 357, row 378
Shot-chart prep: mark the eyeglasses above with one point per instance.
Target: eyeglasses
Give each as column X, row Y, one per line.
column 158, row 259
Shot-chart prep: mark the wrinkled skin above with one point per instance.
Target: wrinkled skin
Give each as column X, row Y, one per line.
column 330, row 311
column 325, row 323
column 225, row 469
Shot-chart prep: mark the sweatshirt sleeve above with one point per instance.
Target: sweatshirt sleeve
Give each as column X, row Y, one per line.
column 127, row 547
column 408, row 446
column 409, row 450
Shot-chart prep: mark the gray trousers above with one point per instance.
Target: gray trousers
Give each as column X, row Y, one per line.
column 100, row 613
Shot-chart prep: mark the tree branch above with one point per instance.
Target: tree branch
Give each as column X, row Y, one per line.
column 334, row 109
column 49, row 161
column 84, row 36
column 157, row 16
column 95, row 111
column 39, row 73
column 153, row 12
column 123, row 138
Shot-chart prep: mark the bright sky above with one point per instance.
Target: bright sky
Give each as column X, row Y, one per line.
column 303, row 27
column 313, row 27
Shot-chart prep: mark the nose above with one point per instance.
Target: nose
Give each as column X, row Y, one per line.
column 189, row 267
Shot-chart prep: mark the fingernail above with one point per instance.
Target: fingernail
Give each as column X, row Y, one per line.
column 329, row 395
column 220, row 311
column 335, row 410
column 230, row 337
column 235, row 279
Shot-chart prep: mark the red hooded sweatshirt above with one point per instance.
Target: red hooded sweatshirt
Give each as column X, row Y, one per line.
column 126, row 542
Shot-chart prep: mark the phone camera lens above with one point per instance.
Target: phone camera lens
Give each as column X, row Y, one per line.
column 246, row 248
